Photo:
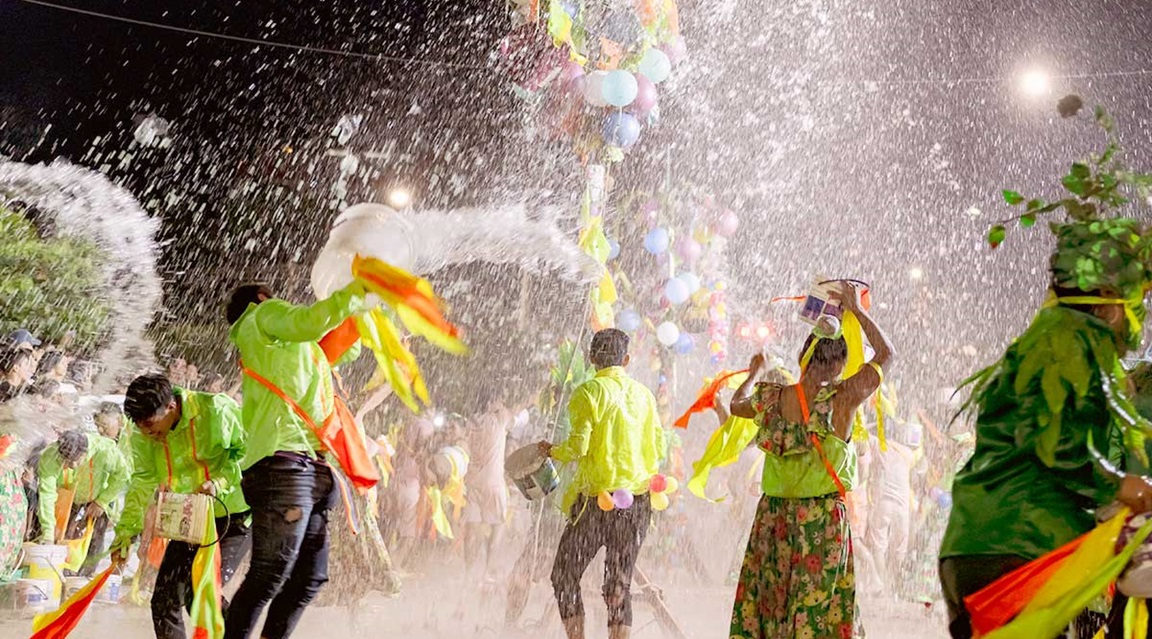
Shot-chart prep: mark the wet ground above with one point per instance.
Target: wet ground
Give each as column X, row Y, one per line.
column 440, row 610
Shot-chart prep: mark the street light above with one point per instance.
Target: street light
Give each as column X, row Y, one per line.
column 399, row 198
column 1036, row 83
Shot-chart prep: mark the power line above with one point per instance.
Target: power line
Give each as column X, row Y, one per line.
column 256, row 41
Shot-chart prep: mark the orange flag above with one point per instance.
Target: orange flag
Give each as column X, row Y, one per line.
column 707, row 397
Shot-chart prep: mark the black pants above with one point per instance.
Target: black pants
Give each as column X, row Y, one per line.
column 621, row 532
column 963, row 576
column 77, row 526
column 172, row 594
column 290, row 496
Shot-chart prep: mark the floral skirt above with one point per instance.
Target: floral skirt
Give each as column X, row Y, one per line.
column 13, row 517
column 797, row 581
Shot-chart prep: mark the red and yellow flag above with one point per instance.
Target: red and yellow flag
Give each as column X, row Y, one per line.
column 59, row 624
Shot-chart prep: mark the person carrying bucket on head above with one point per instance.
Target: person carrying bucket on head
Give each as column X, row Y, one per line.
column 618, row 445
column 185, row 443
column 93, row 469
column 289, row 406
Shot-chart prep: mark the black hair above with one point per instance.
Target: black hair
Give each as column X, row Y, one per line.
column 241, row 298
column 827, row 351
column 109, row 408
column 72, row 445
column 147, row 395
column 10, row 358
column 1064, row 291
column 609, row 348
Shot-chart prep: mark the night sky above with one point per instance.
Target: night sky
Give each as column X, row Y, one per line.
column 853, row 137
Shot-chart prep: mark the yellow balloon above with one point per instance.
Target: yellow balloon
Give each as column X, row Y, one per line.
column 673, row 484
column 604, row 501
column 659, row 500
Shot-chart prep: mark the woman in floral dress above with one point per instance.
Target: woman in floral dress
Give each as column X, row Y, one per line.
column 797, row 580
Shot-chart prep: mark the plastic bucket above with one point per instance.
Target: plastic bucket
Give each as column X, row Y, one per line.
column 46, row 562
column 35, row 595
column 110, row 593
column 533, row 473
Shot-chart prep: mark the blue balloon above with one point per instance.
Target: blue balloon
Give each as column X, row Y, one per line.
column 613, row 249
column 685, row 344
column 571, row 8
column 657, row 240
column 945, row 500
column 619, row 88
column 628, row 321
column 655, row 65
column 691, row 280
column 676, row 291
column 621, row 129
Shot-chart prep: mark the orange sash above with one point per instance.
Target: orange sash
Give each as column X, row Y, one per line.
column 806, row 414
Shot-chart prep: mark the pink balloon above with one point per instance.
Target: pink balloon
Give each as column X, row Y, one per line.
column 645, row 95
column 658, row 483
column 676, row 50
column 689, row 249
column 726, row 225
column 570, row 71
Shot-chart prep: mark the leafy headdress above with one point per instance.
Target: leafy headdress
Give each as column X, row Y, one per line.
column 1100, row 258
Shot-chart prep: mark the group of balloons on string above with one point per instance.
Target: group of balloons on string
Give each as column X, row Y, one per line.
column 680, row 288
column 660, row 488
column 633, row 95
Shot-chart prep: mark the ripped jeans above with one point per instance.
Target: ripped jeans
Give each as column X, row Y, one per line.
column 290, row 496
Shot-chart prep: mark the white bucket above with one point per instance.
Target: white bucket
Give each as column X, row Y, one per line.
column 110, row 593
column 35, row 595
column 533, row 472
column 46, row 562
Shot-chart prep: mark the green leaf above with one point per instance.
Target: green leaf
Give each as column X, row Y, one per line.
column 996, row 235
column 1035, row 205
column 1028, row 221
column 1104, row 119
column 1081, row 171
column 1074, row 184
column 1012, row 197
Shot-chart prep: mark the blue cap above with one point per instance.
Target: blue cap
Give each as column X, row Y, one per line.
column 20, row 337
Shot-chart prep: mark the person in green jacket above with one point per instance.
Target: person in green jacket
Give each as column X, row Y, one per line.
column 1050, row 416
column 94, row 469
column 618, row 445
column 288, row 483
column 186, row 442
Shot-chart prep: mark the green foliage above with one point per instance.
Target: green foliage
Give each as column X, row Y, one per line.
column 1096, row 250
column 50, row 285
column 570, row 371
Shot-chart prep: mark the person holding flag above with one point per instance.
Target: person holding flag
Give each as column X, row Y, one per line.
column 289, row 402
column 185, row 442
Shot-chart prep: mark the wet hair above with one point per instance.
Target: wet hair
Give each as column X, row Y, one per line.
column 10, row 358
column 147, row 395
column 210, row 378
column 609, row 348
column 47, row 388
column 828, row 351
column 109, row 408
column 72, row 445
column 241, row 298
column 79, row 370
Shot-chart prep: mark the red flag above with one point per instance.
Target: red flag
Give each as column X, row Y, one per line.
column 59, row 624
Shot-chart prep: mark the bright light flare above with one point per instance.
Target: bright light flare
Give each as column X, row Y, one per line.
column 1036, row 83
column 399, row 198
column 916, row 273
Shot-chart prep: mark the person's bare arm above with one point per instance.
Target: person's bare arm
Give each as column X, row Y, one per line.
column 741, row 405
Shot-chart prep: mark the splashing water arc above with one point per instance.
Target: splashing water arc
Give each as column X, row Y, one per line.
column 87, row 204
column 427, row 241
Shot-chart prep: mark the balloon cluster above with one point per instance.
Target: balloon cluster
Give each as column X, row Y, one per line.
column 660, row 487
column 616, row 56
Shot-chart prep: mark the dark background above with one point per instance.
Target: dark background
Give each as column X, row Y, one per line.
column 853, row 138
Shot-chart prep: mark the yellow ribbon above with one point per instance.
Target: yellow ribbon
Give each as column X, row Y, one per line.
column 1135, row 326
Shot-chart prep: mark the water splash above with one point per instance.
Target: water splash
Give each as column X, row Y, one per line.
column 426, row 241
column 86, row 204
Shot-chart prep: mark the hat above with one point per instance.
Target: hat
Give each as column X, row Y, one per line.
column 21, row 338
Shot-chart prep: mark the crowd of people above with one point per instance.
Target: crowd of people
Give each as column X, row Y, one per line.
column 840, row 508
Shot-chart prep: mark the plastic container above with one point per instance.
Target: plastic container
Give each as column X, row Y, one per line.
column 533, row 472
column 35, row 595
column 46, row 562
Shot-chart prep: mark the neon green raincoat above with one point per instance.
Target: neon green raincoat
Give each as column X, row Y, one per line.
column 207, row 444
column 278, row 341
column 100, row 477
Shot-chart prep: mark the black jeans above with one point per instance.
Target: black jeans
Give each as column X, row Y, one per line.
column 621, row 532
column 172, row 594
column 290, row 496
column 963, row 576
